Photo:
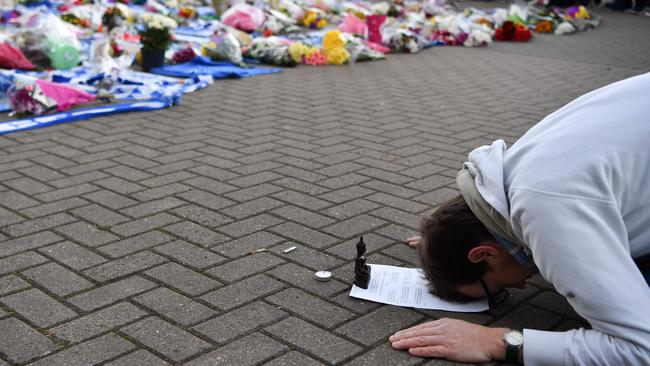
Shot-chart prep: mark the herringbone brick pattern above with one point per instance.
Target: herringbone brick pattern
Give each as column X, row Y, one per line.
column 125, row 240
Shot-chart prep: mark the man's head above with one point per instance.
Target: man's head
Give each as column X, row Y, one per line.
column 457, row 251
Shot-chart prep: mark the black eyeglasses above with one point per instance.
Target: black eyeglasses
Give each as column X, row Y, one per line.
column 496, row 298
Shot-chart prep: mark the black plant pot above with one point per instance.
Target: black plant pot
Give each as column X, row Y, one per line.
column 152, row 59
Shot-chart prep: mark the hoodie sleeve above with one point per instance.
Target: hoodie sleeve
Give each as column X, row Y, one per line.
column 580, row 245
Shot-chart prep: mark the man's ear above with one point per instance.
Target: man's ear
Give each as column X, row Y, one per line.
column 484, row 252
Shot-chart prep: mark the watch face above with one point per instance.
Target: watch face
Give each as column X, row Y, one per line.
column 514, row 338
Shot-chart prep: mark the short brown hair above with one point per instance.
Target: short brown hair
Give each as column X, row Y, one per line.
column 447, row 237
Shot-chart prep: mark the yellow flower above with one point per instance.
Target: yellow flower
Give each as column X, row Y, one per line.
column 297, row 50
column 337, row 56
column 322, row 23
column 205, row 48
column 310, row 17
column 333, row 39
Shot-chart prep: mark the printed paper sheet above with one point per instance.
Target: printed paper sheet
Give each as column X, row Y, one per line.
column 407, row 287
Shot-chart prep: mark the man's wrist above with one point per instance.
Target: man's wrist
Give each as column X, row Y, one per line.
column 497, row 349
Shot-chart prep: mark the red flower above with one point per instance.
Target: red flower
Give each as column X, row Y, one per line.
column 498, row 34
column 267, row 32
column 522, row 34
column 509, row 30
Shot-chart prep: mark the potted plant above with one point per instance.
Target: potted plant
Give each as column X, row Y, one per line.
column 155, row 38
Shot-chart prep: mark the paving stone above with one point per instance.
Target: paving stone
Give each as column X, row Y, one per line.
column 165, row 338
column 245, row 266
column 43, row 223
column 59, row 194
column 129, row 173
column 398, row 216
column 310, row 307
column 314, row 340
column 63, row 205
column 196, row 233
column 20, row 343
column 391, row 189
column 135, row 244
column 110, row 199
column 206, row 199
column 160, row 192
column 28, row 242
column 73, row 255
column 354, row 226
column 86, row 234
column 89, row 353
column 174, row 306
column 253, row 207
column 7, row 218
column 12, row 283
column 211, row 185
column 240, row 321
column 345, row 180
column 99, row 215
column 302, row 200
column 404, row 253
column 304, row 235
column 98, row 322
column 113, row 292
column 250, row 225
column 140, row 358
column 241, row 292
column 190, row 254
column 249, row 350
column 437, row 196
column 19, row 262
column 183, row 278
column 293, row 358
column 350, row 209
column 346, row 194
column 302, row 216
column 307, row 257
column 57, row 279
column 124, row 266
column 119, row 185
column 359, row 306
column 247, row 244
column 252, row 193
column 385, row 355
column 152, row 207
column 397, row 232
column 144, row 224
column 379, row 325
column 348, row 249
column 16, row 201
column 28, row 186
column 202, row 216
column 38, row 308
column 305, row 279
column 432, row 182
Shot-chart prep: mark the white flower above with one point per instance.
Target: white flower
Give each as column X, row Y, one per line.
column 157, row 21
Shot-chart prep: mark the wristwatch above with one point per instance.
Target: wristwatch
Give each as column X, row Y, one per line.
column 514, row 340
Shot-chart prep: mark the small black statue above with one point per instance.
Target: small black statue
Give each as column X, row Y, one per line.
column 361, row 269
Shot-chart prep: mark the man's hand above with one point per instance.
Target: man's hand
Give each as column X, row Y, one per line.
column 452, row 339
column 413, row 241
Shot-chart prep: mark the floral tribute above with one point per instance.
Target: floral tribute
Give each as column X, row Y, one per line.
column 157, row 33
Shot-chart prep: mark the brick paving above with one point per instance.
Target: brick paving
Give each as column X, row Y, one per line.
column 125, row 240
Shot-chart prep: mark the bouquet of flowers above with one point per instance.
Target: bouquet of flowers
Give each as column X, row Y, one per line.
column 113, row 18
column 34, row 96
column 157, row 33
column 334, row 48
column 271, row 51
